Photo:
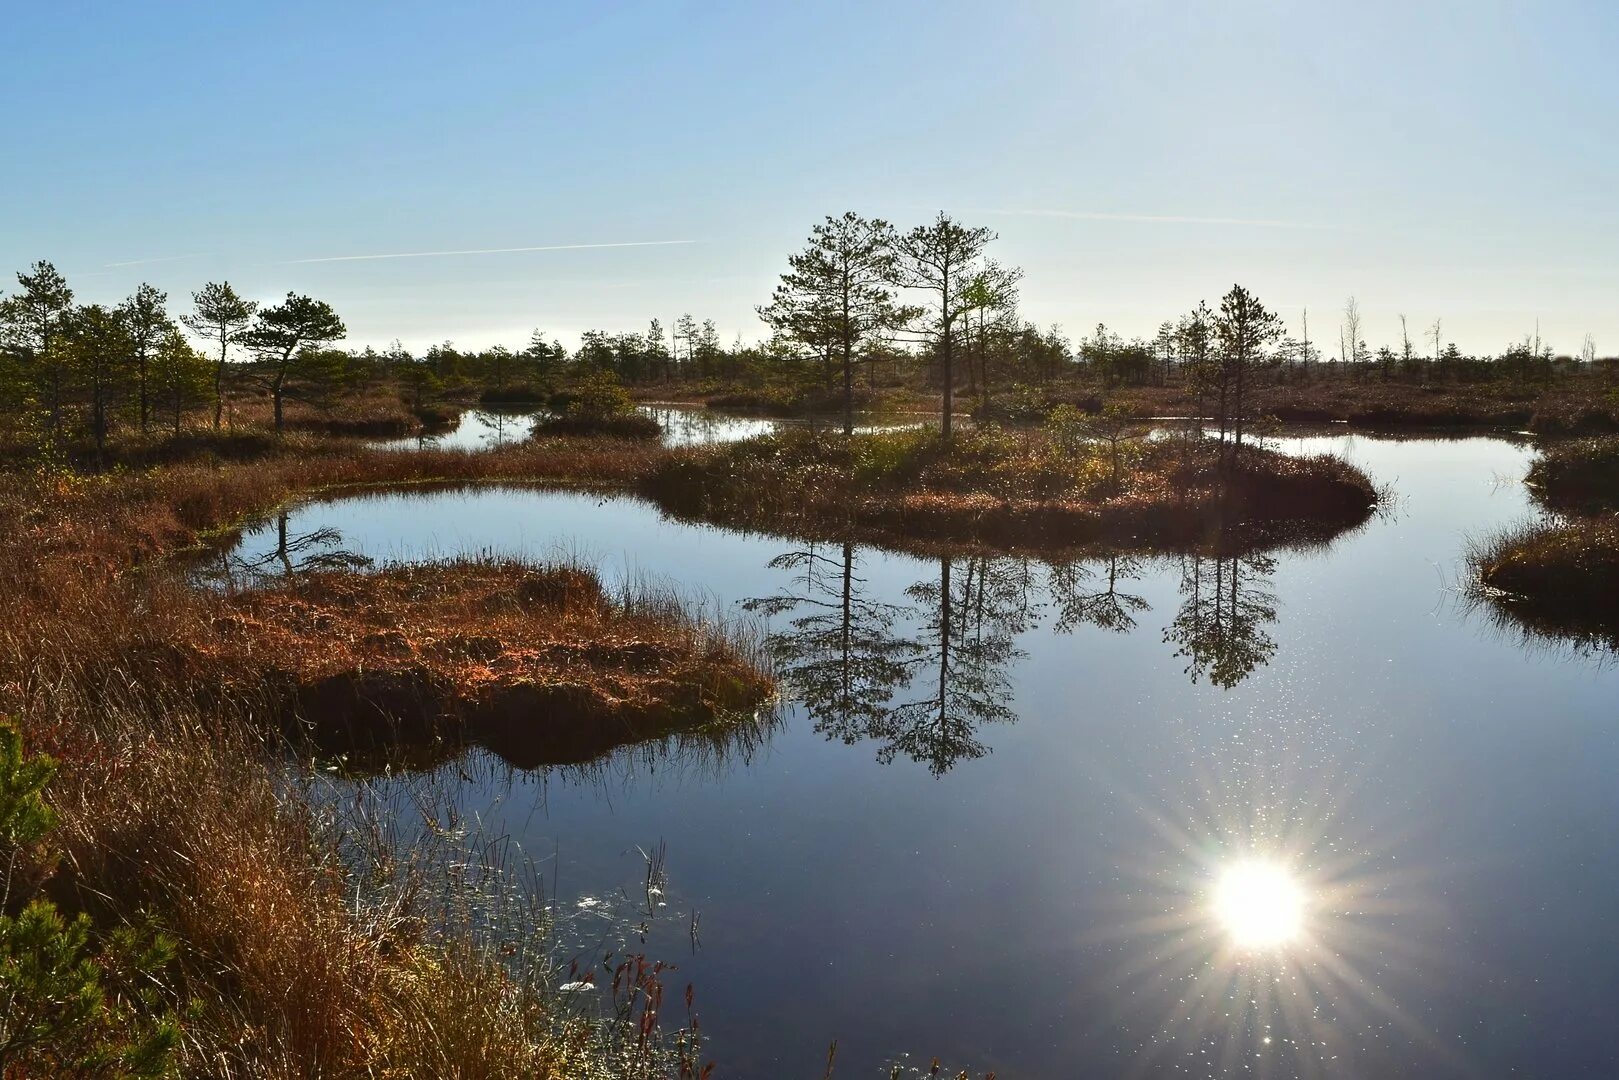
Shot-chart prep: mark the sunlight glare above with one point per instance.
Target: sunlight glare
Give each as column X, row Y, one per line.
column 1259, row 904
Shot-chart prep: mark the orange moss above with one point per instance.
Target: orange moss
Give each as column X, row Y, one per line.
column 536, row 663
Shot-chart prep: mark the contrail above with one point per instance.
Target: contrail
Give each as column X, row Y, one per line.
column 486, row 251
column 145, row 262
column 1159, row 219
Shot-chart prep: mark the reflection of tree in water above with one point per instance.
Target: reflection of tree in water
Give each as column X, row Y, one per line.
column 843, row 656
column 1222, row 625
column 847, row 662
column 924, row 693
column 318, row 549
column 1083, row 596
column 976, row 610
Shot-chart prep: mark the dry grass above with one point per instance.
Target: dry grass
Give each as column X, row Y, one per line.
column 1559, row 578
column 302, row 958
column 535, row 662
column 1012, row 491
column 1555, row 579
column 1580, row 476
column 375, row 412
column 620, row 425
column 128, row 518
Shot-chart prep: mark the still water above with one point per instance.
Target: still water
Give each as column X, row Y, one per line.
column 487, row 428
column 1294, row 814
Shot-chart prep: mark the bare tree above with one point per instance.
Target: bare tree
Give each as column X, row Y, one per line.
column 1304, row 353
column 1352, row 332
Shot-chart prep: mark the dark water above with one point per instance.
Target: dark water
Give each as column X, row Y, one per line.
column 997, row 823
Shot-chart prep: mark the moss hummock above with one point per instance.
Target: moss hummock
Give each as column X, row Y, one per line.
column 1012, row 491
column 534, row 662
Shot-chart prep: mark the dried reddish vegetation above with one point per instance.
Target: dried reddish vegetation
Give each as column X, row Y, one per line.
column 536, row 663
column 208, row 483
column 1013, row 491
column 153, row 695
column 1561, row 577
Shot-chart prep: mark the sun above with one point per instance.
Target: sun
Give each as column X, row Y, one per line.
column 1259, row 904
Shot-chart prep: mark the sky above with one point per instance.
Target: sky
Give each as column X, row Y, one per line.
column 1442, row 160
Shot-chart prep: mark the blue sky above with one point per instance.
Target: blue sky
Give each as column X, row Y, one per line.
column 1458, row 160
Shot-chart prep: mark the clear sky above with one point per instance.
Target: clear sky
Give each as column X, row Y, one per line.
column 1458, row 159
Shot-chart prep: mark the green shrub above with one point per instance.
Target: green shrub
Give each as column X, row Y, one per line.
column 71, row 1005
column 71, row 1009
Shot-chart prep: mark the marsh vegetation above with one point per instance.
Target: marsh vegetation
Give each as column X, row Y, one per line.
column 908, row 583
column 1559, row 576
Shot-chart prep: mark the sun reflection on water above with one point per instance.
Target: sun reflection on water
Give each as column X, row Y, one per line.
column 1258, row 903
column 1263, row 930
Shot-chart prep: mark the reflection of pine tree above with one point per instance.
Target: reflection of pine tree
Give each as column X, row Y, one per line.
column 1106, row 608
column 842, row 658
column 317, row 550
column 1221, row 626
column 966, row 645
column 846, row 662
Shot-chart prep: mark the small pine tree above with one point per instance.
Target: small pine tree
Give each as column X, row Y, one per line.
column 72, row 1005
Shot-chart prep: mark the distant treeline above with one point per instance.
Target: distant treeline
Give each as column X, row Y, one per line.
column 862, row 301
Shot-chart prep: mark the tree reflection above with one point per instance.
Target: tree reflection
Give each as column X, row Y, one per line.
column 922, row 677
column 847, row 662
column 1222, row 626
column 975, row 611
column 318, row 549
column 1079, row 603
column 843, row 656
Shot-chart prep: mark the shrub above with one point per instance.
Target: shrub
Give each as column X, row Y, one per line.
column 72, row 1007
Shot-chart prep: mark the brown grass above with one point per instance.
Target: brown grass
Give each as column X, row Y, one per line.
column 1556, row 579
column 1012, row 491
column 302, row 961
column 1580, row 476
column 375, row 412
column 535, row 662
column 1584, row 404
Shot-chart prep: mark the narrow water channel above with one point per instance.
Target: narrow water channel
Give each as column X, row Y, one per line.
column 1028, row 817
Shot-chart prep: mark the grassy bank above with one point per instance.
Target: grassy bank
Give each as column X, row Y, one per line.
column 1560, row 577
column 620, row 425
column 535, row 662
column 301, row 950
column 1580, row 476
column 1584, row 406
column 1558, row 580
column 1011, row 490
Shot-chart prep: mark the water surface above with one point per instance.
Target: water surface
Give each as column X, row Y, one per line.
column 994, row 821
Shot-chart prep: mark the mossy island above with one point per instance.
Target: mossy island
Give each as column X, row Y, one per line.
column 1034, row 491
column 1559, row 577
